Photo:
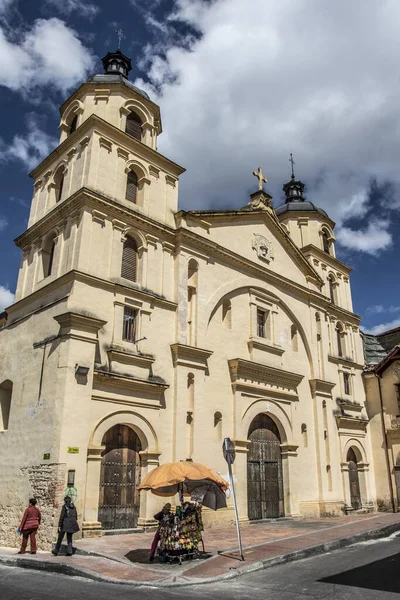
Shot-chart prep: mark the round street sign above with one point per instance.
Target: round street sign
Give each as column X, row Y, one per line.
column 228, row 449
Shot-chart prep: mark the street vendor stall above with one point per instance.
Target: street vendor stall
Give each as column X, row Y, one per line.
column 180, row 533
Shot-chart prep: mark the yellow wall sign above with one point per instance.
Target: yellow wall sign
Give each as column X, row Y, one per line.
column 73, row 450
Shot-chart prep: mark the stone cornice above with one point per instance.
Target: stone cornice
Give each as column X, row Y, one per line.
column 190, row 356
column 345, row 361
column 71, row 323
column 270, row 218
column 321, row 387
column 95, row 124
column 351, row 423
column 247, row 369
column 311, row 250
column 129, row 358
column 132, row 383
column 86, row 198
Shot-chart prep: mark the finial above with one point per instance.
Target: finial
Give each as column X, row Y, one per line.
column 292, row 163
column 259, row 175
column 121, row 37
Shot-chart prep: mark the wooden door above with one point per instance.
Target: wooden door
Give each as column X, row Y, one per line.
column 264, row 470
column 355, row 496
column 397, row 476
column 119, row 479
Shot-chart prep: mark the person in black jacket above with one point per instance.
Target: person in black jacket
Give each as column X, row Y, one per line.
column 68, row 524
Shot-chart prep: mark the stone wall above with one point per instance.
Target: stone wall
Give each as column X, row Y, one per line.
column 46, row 483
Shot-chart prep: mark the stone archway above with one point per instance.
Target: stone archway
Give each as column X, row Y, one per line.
column 120, row 474
column 265, row 497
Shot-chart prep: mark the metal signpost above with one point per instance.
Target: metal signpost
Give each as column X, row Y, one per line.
column 229, row 454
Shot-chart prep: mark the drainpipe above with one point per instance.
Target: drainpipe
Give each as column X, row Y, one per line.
column 385, row 440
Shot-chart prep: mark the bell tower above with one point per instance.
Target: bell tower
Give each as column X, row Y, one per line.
column 107, row 155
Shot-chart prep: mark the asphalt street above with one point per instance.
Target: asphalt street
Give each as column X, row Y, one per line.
column 367, row 571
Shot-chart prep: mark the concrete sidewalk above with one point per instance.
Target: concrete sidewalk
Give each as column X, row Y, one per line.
column 124, row 558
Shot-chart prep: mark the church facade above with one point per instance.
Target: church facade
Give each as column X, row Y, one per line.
column 143, row 334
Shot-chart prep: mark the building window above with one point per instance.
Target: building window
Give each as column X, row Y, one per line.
column 129, row 259
column 59, row 188
column 227, row 314
column 331, row 289
column 304, row 435
column 325, row 242
column 6, row 389
column 134, row 126
column 398, row 398
column 129, row 325
column 340, row 341
column 218, row 425
column 263, row 323
column 294, row 338
column 346, row 383
column 48, row 256
column 73, row 125
column 131, row 187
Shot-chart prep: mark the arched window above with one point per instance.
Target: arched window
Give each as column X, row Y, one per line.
column 129, row 259
column 325, row 242
column 190, row 415
column 340, row 340
column 294, row 338
column 331, row 283
column 59, row 183
column 48, row 256
column 304, row 435
column 227, row 314
column 218, row 425
column 6, row 389
column 193, row 269
column 73, row 124
column 131, row 187
column 134, row 126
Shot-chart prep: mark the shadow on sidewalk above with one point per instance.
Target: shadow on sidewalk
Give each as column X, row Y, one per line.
column 380, row 575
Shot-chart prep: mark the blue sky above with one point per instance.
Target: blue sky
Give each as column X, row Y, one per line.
column 240, row 85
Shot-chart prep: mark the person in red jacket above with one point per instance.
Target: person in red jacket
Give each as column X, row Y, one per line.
column 29, row 526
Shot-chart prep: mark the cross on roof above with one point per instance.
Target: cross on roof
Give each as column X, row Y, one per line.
column 121, row 37
column 259, row 175
column 292, row 163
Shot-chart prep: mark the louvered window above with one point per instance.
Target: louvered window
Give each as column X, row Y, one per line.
column 134, row 126
column 129, row 324
column 73, row 125
column 131, row 187
column 129, row 260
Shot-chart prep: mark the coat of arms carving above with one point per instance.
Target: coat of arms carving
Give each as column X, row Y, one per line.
column 263, row 247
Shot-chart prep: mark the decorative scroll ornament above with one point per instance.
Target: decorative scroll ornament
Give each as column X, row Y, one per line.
column 263, row 247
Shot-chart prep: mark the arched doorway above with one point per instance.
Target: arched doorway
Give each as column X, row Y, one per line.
column 355, row 495
column 119, row 478
column 264, row 470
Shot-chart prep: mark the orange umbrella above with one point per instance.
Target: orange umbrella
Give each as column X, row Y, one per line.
column 187, row 476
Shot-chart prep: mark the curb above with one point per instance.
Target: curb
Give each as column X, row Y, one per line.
column 182, row 581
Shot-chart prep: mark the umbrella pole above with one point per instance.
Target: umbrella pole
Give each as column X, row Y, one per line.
column 235, row 505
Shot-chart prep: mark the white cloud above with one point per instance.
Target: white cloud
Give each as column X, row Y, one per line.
column 394, row 309
column 266, row 78
column 371, row 240
column 375, row 310
column 5, row 5
column 6, row 297
column 50, row 53
column 3, row 223
column 66, row 7
column 31, row 148
column 382, row 327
